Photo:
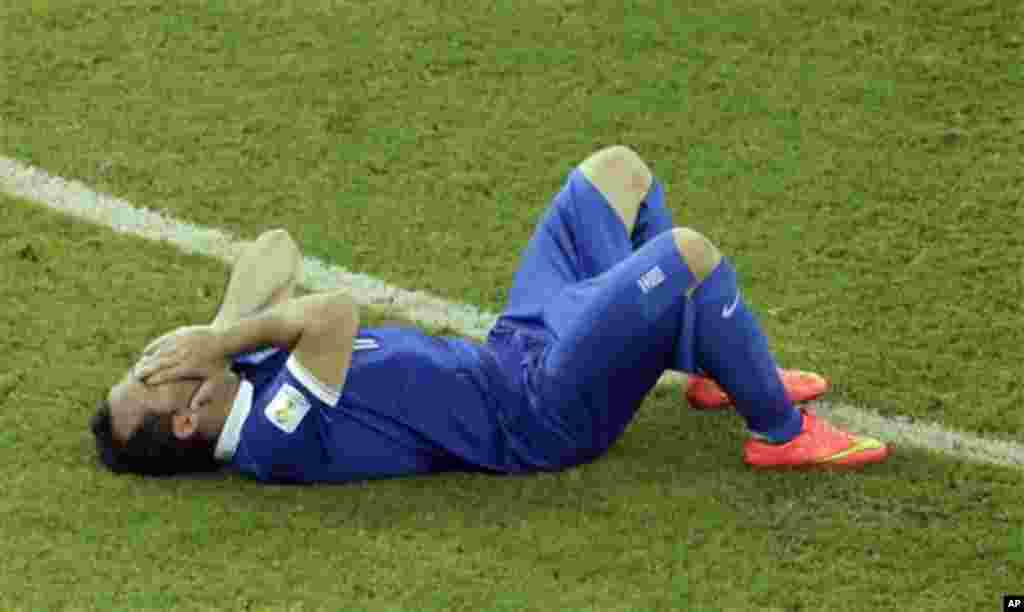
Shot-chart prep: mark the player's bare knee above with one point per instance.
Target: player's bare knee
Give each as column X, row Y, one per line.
column 621, row 169
column 622, row 177
column 701, row 256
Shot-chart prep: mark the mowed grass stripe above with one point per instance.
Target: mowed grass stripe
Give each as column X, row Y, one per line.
column 75, row 198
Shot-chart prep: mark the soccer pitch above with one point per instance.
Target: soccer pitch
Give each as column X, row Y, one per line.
column 860, row 163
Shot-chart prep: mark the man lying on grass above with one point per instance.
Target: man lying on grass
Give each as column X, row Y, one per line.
column 608, row 296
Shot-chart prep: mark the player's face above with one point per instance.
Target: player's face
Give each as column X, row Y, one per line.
column 131, row 400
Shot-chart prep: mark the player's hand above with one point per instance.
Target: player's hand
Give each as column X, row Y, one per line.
column 185, row 353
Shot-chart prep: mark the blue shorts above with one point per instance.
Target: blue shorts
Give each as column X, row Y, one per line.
column 594, row 317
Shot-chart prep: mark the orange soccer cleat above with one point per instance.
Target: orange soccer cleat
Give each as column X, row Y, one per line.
column 704, row 393
column 818, row 446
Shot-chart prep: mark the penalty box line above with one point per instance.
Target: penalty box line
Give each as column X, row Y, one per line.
column 78, row 200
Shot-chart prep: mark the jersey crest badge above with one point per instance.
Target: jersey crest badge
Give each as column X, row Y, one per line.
column 287, row 409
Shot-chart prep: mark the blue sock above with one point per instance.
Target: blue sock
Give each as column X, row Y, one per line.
column 733, row 350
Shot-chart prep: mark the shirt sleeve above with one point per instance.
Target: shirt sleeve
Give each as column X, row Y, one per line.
column 328, row 394
column 255, row 357
column 282, row 438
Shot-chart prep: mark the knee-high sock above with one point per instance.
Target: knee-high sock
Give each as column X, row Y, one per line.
column 731, row 347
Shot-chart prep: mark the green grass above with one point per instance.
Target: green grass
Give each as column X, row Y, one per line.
column 860, row 161
column 671, row 519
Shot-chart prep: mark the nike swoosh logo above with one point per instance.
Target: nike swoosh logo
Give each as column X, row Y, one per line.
column 731, row 308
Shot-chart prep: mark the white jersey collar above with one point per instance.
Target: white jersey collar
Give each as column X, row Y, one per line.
column 231, row 434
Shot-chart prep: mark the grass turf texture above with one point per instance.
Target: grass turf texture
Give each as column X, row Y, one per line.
column 860, row 161
column 669, row 520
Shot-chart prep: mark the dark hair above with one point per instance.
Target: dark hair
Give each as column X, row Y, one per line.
column 153, row 450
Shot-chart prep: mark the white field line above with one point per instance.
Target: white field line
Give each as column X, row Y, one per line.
column 76, row 199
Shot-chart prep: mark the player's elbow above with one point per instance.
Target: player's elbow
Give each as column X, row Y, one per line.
column 278, row 239
column 278, row 245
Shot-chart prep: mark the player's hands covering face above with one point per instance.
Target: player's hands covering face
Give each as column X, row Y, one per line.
column 191, row 352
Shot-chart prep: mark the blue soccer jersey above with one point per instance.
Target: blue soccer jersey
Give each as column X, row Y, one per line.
column 411, row 404
column 595, row 316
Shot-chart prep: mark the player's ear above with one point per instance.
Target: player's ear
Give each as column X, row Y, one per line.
column 185, row 425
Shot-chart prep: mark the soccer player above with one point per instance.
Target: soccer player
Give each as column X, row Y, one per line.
column 608, row 296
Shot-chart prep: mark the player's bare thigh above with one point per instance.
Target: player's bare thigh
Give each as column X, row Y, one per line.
column 623, row 179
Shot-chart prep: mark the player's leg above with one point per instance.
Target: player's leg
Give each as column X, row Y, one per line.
column 622, row 178
column 703, row 392
column 586, row 383
column 728, row 344
column 586, row 230
column 647, row 313
column 611, row 171
column 653, row 217
column 632, row 190
column 675, row 295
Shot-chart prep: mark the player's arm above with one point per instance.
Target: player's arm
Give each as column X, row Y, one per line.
column 265, row 274
column 318, row 330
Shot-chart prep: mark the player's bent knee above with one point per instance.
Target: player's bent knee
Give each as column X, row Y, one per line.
column 619, row 164
column 622, row 177
column 701, row 256
column 615, row 155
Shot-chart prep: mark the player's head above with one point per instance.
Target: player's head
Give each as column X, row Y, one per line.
column 156, row 430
